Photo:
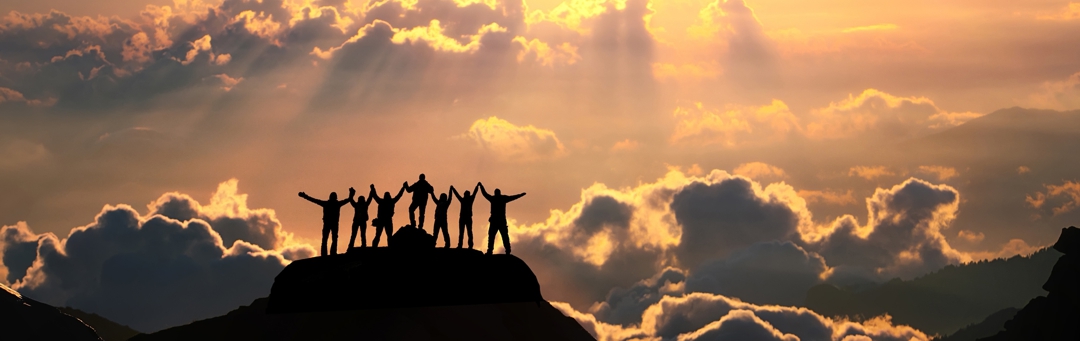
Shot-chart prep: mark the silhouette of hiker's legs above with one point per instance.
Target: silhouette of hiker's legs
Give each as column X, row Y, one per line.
column 422, row 205
column 506, row 238
column 325, row 234
column 383, row 224
column 363, row 234
column 333, row 244
column 463, row 224
column 352, row 238
column 377, row 223
column 441, row 225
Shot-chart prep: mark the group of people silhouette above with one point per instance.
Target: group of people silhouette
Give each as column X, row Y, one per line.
column 421, row 190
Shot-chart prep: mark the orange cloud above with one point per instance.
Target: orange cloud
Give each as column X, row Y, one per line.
column 1023, row 170
column 943, row 173
column 1069, row 12
column 625, row 145
column 870, row 172
column 971, row 237
column 433, row 35
column 759, row 171
column 515, row 143
column 227, row 83
column 873, row 109
column 1059, row 95
column 828, row 197
column 1069, row 192
column 565, row 53
column 261, row 24
column 733, row 126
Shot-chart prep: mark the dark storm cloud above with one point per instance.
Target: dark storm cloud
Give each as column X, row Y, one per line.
column 905, row 239
column 624, row 305
column 158, row 270
column 729, row 215
column 771, row 272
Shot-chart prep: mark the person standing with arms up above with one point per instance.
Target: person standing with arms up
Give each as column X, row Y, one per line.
column 420, row 191
column 331, row 214
column 498, row 217
column 385, row 219
column 360, row 218
column 465, row 215
column 442, row 204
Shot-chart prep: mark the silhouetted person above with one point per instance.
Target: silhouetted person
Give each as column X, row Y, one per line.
column 465, row 215
column 331, row 212
column 420, row 191
column 498, row 217
column 442, row 204
column 360, row 218
column 385, row 218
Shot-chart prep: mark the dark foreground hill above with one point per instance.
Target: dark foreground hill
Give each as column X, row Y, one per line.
column 946, row 300
column 106, row 329
column 1055, row 316
column 410, row 291
column 24, row 319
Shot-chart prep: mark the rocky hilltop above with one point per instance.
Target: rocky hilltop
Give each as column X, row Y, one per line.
column 24, row 319
column 1054, row 316
column 410, row 291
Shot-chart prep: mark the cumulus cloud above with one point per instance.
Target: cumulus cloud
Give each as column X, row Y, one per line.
column 167, row 267
column 702, row 316
column 733, row 126
column 725, row 229
column 881, row 115
column 971, row 236
column 903, row 235
column 515, row 143
column 760, row 171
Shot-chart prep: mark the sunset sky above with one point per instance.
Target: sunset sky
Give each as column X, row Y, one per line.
column 653, row 137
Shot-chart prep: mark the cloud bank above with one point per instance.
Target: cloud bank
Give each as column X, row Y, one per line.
column 180, row 262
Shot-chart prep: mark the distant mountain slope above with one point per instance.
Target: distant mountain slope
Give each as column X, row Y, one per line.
column 988, row 327
column 946, row 300
column 24, row 319
column 106, row 329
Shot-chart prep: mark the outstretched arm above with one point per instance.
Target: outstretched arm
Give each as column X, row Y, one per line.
column 352, row 192
column 309, row 198
column 433, row 198
column 510, row 198
column 474, row 190
column 450, row 198
column 407, row 187
column 484, row 191
column 399, row 193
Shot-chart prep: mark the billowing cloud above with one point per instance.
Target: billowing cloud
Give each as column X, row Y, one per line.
column 971, row 236
column 167, row 267
column 718, row 225
column 515, row 143
column 760, row 171
column 883, row 115
column 702, row 316
column 1071, row 11
column 903, row 235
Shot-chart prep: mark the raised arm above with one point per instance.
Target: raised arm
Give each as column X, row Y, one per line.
column 407, row 187
column 450, row 198
column 433, row 198
column 484, row 191
column 475, row 190
column 399, row 193
column 352, row 193
column 455, row 193
column 374, row 195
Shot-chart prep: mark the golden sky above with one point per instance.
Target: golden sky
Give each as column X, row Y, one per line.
column 845, row 117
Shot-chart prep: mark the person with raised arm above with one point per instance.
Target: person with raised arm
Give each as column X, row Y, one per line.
column 331, row 214
column 498, row 217
column 384, row 220
column 465, row 215
column 442, row 204
column 420, row 190
column 360, row 218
